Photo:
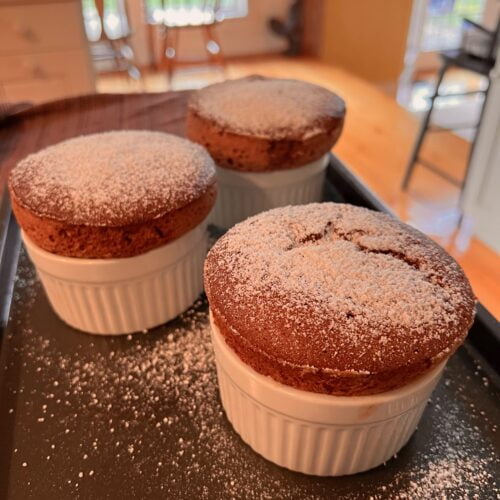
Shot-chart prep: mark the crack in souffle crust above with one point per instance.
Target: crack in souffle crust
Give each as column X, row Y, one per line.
column 337, row 299
column 112, row 179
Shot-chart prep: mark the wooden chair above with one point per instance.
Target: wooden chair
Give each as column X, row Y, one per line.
column 115, row 46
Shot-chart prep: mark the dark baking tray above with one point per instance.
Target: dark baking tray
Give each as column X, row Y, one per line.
column 140, row 417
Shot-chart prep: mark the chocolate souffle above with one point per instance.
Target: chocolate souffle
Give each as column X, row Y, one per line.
column 115, row 194
column 258, row 124
column 337, row 299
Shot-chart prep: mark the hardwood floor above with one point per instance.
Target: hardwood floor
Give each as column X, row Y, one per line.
column 376, row 144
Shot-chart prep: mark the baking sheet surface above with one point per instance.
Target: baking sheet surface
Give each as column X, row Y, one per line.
column 139, row 417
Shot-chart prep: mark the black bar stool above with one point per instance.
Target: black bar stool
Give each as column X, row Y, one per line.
column 464, row 60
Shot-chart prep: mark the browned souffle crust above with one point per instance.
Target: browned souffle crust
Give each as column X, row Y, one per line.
column 112, row 195
column 260, row 124
column 337, row 299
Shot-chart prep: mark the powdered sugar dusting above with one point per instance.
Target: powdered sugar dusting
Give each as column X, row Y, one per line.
column 114, row 178
column 346, row 288
column 269, row 108
column 449, row 468
column 140, row 417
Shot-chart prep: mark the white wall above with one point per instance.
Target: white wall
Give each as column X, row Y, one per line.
column 239, row 37
column 481, row 200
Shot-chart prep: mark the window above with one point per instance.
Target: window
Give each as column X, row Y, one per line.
column 193, row 12
column 443, row 24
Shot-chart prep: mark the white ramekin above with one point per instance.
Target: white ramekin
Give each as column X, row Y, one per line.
column 317, row 433
column 117, row 296
column 243, row 194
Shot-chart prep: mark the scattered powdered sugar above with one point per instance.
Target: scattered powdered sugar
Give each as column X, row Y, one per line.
column 268, row 107
column 450, row 468
column 113, row 178
column 346, row 288
column 139, row 417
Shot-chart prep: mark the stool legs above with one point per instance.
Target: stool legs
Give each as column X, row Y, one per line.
column 170, row 48
column 423, row 129
column 213, row 46
column 170, row 51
